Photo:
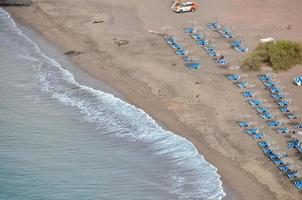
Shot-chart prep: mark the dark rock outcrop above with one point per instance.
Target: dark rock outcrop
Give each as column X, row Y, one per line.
column 15, row 2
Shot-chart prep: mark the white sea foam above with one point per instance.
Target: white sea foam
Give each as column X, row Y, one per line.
column 191, row 178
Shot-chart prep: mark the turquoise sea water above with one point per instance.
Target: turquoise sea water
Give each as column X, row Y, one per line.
column 60, row 140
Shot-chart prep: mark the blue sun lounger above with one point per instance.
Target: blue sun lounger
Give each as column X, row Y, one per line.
column 283, row 168
column 242, row 84
column 262, row 110
column 267, row 151
column 181, row 52
column 187, row 59
column 258, row 136
column 233, row 77
column 194, row 65
column 244, row 124
column 236, row 43
column 255, row 102
column 197, row 36
column 265, row 77
column 214, row 25
column 274, row 123
column 275, row 90
column 252, row 131
column 267, row 116
column 248, row 94
column 170, row 39
column 210, row 48
column 298, row 184
column 292, row 175
column 190, row 30
column 283, row 103
column 298, row 81
column 278, row 162
column 292, row 116
column 270, row 84
column 293, row 144
column 241, row 49
column 298, row 126
column 278, row 96
column 282, row 130
column 222, row 61
column 285, row 110
column 176, row 46
column 202, row 42
column 213, row 54
column 263, row 144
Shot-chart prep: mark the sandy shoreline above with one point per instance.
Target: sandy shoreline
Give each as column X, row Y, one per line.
column 149, row 75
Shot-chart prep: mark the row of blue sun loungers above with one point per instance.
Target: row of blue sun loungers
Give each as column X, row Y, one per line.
column 278, row 96
column 281, row 164
column 276, row 158
column 257, row 135
column 180, row 51
column 298, row 81
column 202, row 41
column 227, row 33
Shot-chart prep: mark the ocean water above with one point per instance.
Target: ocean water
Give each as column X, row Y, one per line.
column 61, row 140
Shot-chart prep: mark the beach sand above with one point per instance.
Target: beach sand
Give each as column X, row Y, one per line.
column 200, row 105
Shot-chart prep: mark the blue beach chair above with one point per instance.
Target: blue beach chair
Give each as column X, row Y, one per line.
column 255, row 102
column 210, row 48
column 265, row 77
column 244, row 124
column 187, row 59
column 242, row 84
column 248, row 94
column 292, row 175
column 222, row 61
column 258, row 136
column 190, row 30
column 252, row 131
column 270, row 84
column 263, row 144
column 267, row 116
column 283, row 168
column 283, row 103
column 282, row 130
column 197, row 36
column 292, row 116
column 213, row 54
column 241, row 49
column 236, row 43
column 275, row 90
column 233, row 77
column 278, row 162
column 298, row 81
column 262, row 110
column 194, row 65
column 278, row 96
column 181, row 52
column 298, row 184
column 274, row 123
column 202, row 42
column 214, row 25
column 293, row 144
column 285, row 110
